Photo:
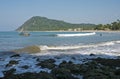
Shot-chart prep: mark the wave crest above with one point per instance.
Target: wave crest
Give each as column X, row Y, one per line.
column 78, row 34
column 45, row 47
column 38, row 48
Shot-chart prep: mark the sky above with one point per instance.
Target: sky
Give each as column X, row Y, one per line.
column 13, row 13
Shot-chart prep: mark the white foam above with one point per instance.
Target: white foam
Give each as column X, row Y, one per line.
column 44, row 47
column 117, row 41
column 106, row 43
column 78, row 34
column 76, row 46
column 63, row 47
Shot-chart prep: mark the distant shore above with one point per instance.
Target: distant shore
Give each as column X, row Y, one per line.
column 100, row 31
column 80, row 31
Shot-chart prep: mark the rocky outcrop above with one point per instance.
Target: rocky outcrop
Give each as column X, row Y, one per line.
column 98, row 68
column 47, row 64
column 12, row 62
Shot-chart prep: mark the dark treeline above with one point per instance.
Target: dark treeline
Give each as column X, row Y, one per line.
column 113, row 26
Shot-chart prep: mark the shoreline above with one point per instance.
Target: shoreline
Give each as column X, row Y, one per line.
column 77, row 31
column 69, row 31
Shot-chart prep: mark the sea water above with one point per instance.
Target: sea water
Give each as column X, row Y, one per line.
column 61, row 46
column 88, row 42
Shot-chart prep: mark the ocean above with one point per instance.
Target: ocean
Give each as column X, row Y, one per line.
column 74, row 41
column 78, row 47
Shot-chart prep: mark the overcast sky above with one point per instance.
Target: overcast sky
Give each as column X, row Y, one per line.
column 13, row 13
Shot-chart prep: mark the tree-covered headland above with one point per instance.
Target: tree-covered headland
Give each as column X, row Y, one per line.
column 38, row 23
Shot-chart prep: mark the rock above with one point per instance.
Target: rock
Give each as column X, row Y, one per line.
column 38, row 59
column 57, row 57
column 92, row 65
column 25, row 67
column 95, row 74
column 16, row 55
column 44, row 75
column 62, row 73
column 41, row 75
column 50, row 61
column 73, row 58
column 64, row 64
column 12, row 62
column 9, row 73
column 96, row 71
column 70, row 62
column 29, row 75
column 92, row 54
column 117, row 72
column 74, row 68
column 47, row 64
column 108, row 62
column 83, row 69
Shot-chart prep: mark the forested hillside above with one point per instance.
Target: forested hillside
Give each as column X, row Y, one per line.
column 38, row 23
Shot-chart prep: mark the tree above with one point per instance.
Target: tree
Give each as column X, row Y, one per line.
column 113, row 26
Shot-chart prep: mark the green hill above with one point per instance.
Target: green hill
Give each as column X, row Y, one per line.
column 38, row 23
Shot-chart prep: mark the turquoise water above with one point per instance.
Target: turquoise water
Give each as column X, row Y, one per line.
column 12, row 40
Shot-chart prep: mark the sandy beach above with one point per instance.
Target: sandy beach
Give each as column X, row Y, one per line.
column 80, row 31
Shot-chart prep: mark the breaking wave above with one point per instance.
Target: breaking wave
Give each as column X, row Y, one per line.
column 78, row 34
column 39, row 48
column 45, row 47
